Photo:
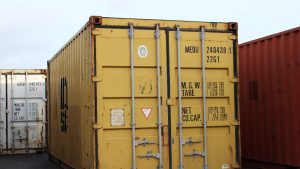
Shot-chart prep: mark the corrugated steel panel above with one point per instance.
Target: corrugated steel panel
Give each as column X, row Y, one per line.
column 22, row 111
column 269, row 98
column 71, row 100
column 94, row 90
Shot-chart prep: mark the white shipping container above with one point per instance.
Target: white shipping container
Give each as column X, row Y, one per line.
column 22, row 111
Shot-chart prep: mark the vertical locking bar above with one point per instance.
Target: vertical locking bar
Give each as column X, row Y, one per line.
column 202, row 38
column 26, row 111
column 179, row 97
column 2, row 115
column 12, row 111
column 159, row 123
column 131, row 36
column 0, row 97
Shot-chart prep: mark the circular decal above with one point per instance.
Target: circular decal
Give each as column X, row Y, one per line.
column 143, row 51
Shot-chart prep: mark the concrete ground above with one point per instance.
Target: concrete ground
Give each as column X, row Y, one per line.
column 35, row 161
column 28, row 161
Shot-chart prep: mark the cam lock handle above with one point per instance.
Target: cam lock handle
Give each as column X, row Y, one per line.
column 194, row 154
column 149, row 155
column 144, row 142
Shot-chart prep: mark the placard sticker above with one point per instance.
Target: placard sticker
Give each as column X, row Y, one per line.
column 117, row 117
column 146, row 112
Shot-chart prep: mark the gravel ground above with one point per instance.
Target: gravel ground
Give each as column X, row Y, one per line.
column 28, row 161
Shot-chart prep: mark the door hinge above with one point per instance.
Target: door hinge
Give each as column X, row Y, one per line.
column 232, row 37
column 96, row 79
column 235, row 123
column 234, row 80
column 96, row 32
column 97, row 126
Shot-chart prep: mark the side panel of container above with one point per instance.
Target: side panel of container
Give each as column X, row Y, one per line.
column 23, row 112
column 270, row 94
column 71, row 106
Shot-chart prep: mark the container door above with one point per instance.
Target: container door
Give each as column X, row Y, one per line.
column 202, row 118
column 2, row 113
column 132, row 126
column 26, row 115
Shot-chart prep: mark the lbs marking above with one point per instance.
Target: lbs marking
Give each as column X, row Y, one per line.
column 217, row 113
column 215, row 89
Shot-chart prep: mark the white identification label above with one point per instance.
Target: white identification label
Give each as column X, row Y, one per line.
column 225, row 166
column 117, row 117
column 146, row 112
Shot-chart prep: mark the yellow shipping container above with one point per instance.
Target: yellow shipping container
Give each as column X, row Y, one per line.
column 129, row 93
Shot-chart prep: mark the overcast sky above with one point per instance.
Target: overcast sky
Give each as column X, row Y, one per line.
column 31, row 31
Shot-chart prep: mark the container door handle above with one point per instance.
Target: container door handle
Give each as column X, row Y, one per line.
column 194, row 154
column 144, row 142
column 149, row 155
column 190, row 141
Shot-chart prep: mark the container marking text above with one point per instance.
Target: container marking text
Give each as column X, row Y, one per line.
column 188, row 88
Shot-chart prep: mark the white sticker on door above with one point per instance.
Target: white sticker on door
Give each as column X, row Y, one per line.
column 117, row 117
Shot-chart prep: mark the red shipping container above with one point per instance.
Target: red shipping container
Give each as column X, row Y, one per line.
column 269, row 76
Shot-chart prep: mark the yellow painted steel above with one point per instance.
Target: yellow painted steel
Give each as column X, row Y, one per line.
column 220, row 100
column 92, row 128
column 76, row 146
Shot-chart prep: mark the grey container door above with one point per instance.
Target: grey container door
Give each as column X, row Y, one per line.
column 26, row 113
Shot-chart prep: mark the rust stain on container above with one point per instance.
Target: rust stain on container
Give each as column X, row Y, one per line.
column 269, row 99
